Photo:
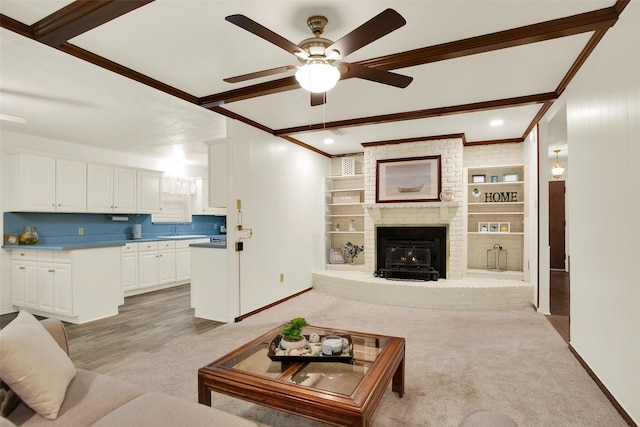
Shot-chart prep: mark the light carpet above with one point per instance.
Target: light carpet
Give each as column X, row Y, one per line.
column 456, row 362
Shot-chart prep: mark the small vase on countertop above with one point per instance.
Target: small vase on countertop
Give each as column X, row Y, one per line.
column 29, row 235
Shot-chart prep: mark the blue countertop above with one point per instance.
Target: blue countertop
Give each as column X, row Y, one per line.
column 63, row 246
column 214, row 245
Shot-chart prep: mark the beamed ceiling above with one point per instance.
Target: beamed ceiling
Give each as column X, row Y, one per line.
column 141, row 76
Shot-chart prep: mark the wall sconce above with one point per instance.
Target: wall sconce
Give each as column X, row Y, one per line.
column 558, row 169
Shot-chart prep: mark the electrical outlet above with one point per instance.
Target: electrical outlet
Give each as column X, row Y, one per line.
column 281, row 277
column 80, row 231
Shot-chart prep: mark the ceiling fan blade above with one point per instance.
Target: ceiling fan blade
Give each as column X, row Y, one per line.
column 375, row 75
column 258, row 74
column 265, row 33
column 387, row 21
column 318, row 98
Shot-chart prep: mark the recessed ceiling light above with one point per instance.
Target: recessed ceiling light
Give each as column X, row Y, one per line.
column 496, row 122
column 10, row 118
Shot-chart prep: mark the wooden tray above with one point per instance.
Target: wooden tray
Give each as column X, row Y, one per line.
column 346, row 356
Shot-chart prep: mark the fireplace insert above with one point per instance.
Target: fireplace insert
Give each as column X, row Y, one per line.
column 411, row 253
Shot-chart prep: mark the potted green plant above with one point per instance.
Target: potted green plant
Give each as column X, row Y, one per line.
column 291, row 333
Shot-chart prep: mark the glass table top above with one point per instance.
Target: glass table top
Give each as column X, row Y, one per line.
column 337, row 376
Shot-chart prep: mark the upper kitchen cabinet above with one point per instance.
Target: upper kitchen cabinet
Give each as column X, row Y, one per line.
column 46, row 184
column 200, row 204
column 111, row 189
column 149, row 191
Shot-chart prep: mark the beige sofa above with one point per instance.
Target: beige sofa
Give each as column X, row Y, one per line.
column 93, row 399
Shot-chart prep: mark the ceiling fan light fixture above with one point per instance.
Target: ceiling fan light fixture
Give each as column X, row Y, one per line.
column 317, row 76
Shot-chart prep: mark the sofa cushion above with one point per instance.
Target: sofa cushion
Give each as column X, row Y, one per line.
column 90, row 396
column 6, row 423
column 34, row 365
column 158, row 410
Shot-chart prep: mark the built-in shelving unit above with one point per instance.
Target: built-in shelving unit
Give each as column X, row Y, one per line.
column 344, row 216
column 495, row 221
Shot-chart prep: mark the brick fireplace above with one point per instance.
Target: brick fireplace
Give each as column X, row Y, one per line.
column 416, row 214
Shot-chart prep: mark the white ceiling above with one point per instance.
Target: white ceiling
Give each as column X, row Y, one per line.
column 188, row 45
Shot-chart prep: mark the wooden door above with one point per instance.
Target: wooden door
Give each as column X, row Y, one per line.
column 557, row 224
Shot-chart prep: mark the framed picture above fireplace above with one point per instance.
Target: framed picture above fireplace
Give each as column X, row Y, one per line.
column 410, row 179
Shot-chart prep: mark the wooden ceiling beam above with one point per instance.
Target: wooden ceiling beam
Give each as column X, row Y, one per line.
column 562, row 27
column 16, row 26
column 535, row 33
column 79, row 17
column 423, row 114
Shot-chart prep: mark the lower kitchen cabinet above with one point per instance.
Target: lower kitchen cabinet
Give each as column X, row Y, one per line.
column 75, row 286
column 149, row 266
column 129, row 266
column 157, row 263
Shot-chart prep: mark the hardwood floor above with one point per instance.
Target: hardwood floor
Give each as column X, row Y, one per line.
column 560, row 303
column 147, row 320
column 144, row 322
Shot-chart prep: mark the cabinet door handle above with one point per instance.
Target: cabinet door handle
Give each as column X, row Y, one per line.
column 22, row 268
column 59, row 204
column 52, row 271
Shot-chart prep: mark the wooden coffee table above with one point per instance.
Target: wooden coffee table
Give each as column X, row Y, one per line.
column 337, row 393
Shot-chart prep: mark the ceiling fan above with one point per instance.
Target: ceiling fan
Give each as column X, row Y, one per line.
column 320, row 57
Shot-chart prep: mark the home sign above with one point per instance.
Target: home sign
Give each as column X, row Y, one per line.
column 503, row 196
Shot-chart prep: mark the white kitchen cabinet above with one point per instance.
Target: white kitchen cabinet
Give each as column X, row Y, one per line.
column 166, row 262
column 46, row 184
column 74, row 286
column 200, row 201
column 111, row 189
column 149, row 191
column 71, row 186
column 129, row 267
column 183, row 260
column 24, row 280
column 157, row 263
column 147, row 264
column 54, row 287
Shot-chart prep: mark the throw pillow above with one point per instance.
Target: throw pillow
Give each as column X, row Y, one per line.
column 34, row 365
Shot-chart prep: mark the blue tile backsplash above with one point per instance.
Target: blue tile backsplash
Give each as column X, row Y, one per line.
column 63, row 227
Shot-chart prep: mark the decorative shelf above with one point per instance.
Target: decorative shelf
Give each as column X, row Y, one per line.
column 473, row 184
column 513, row 233
column 345, row 190
column 494, row 203
column 496, row 213
column 342, row 177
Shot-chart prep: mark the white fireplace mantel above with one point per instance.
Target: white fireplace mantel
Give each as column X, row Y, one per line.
column 375, row 209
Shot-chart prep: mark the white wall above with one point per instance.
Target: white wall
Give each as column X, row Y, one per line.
column 282, row 192
column 603, row 114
